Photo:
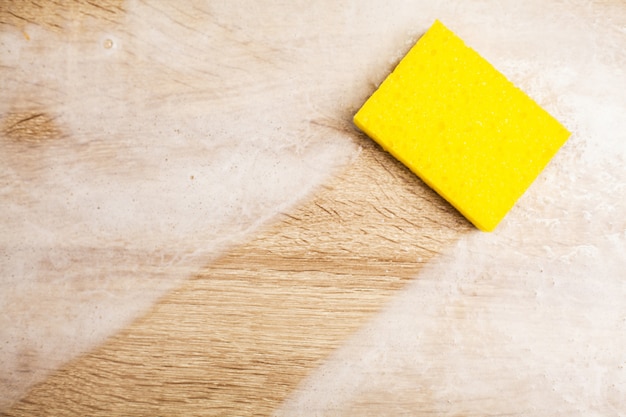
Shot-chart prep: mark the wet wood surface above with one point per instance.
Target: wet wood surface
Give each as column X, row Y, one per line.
column 110, row 96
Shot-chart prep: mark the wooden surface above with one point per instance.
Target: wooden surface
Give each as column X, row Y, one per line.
column 241, row 332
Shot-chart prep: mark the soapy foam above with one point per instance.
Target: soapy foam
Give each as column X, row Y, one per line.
column 530, row 319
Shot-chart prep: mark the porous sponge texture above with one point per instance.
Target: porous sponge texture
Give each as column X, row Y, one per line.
column 462, row 127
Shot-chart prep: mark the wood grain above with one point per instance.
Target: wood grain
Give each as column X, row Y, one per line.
column 243, row 331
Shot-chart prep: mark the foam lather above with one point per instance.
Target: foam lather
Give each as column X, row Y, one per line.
column 462, row 127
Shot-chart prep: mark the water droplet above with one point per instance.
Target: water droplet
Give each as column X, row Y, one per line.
column 108, row 44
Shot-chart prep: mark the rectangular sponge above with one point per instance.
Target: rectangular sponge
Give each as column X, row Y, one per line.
column 462, row 127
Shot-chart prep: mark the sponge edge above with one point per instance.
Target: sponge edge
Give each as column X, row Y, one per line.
column 462, row 127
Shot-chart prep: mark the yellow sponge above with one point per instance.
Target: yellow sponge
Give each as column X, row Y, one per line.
column 461, row 126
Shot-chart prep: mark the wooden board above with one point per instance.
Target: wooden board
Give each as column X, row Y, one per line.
column 239, row 334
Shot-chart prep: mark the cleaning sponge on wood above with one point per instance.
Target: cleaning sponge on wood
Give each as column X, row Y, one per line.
column 461, row 126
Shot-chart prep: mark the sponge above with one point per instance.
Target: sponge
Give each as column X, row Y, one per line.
column 462, row 127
